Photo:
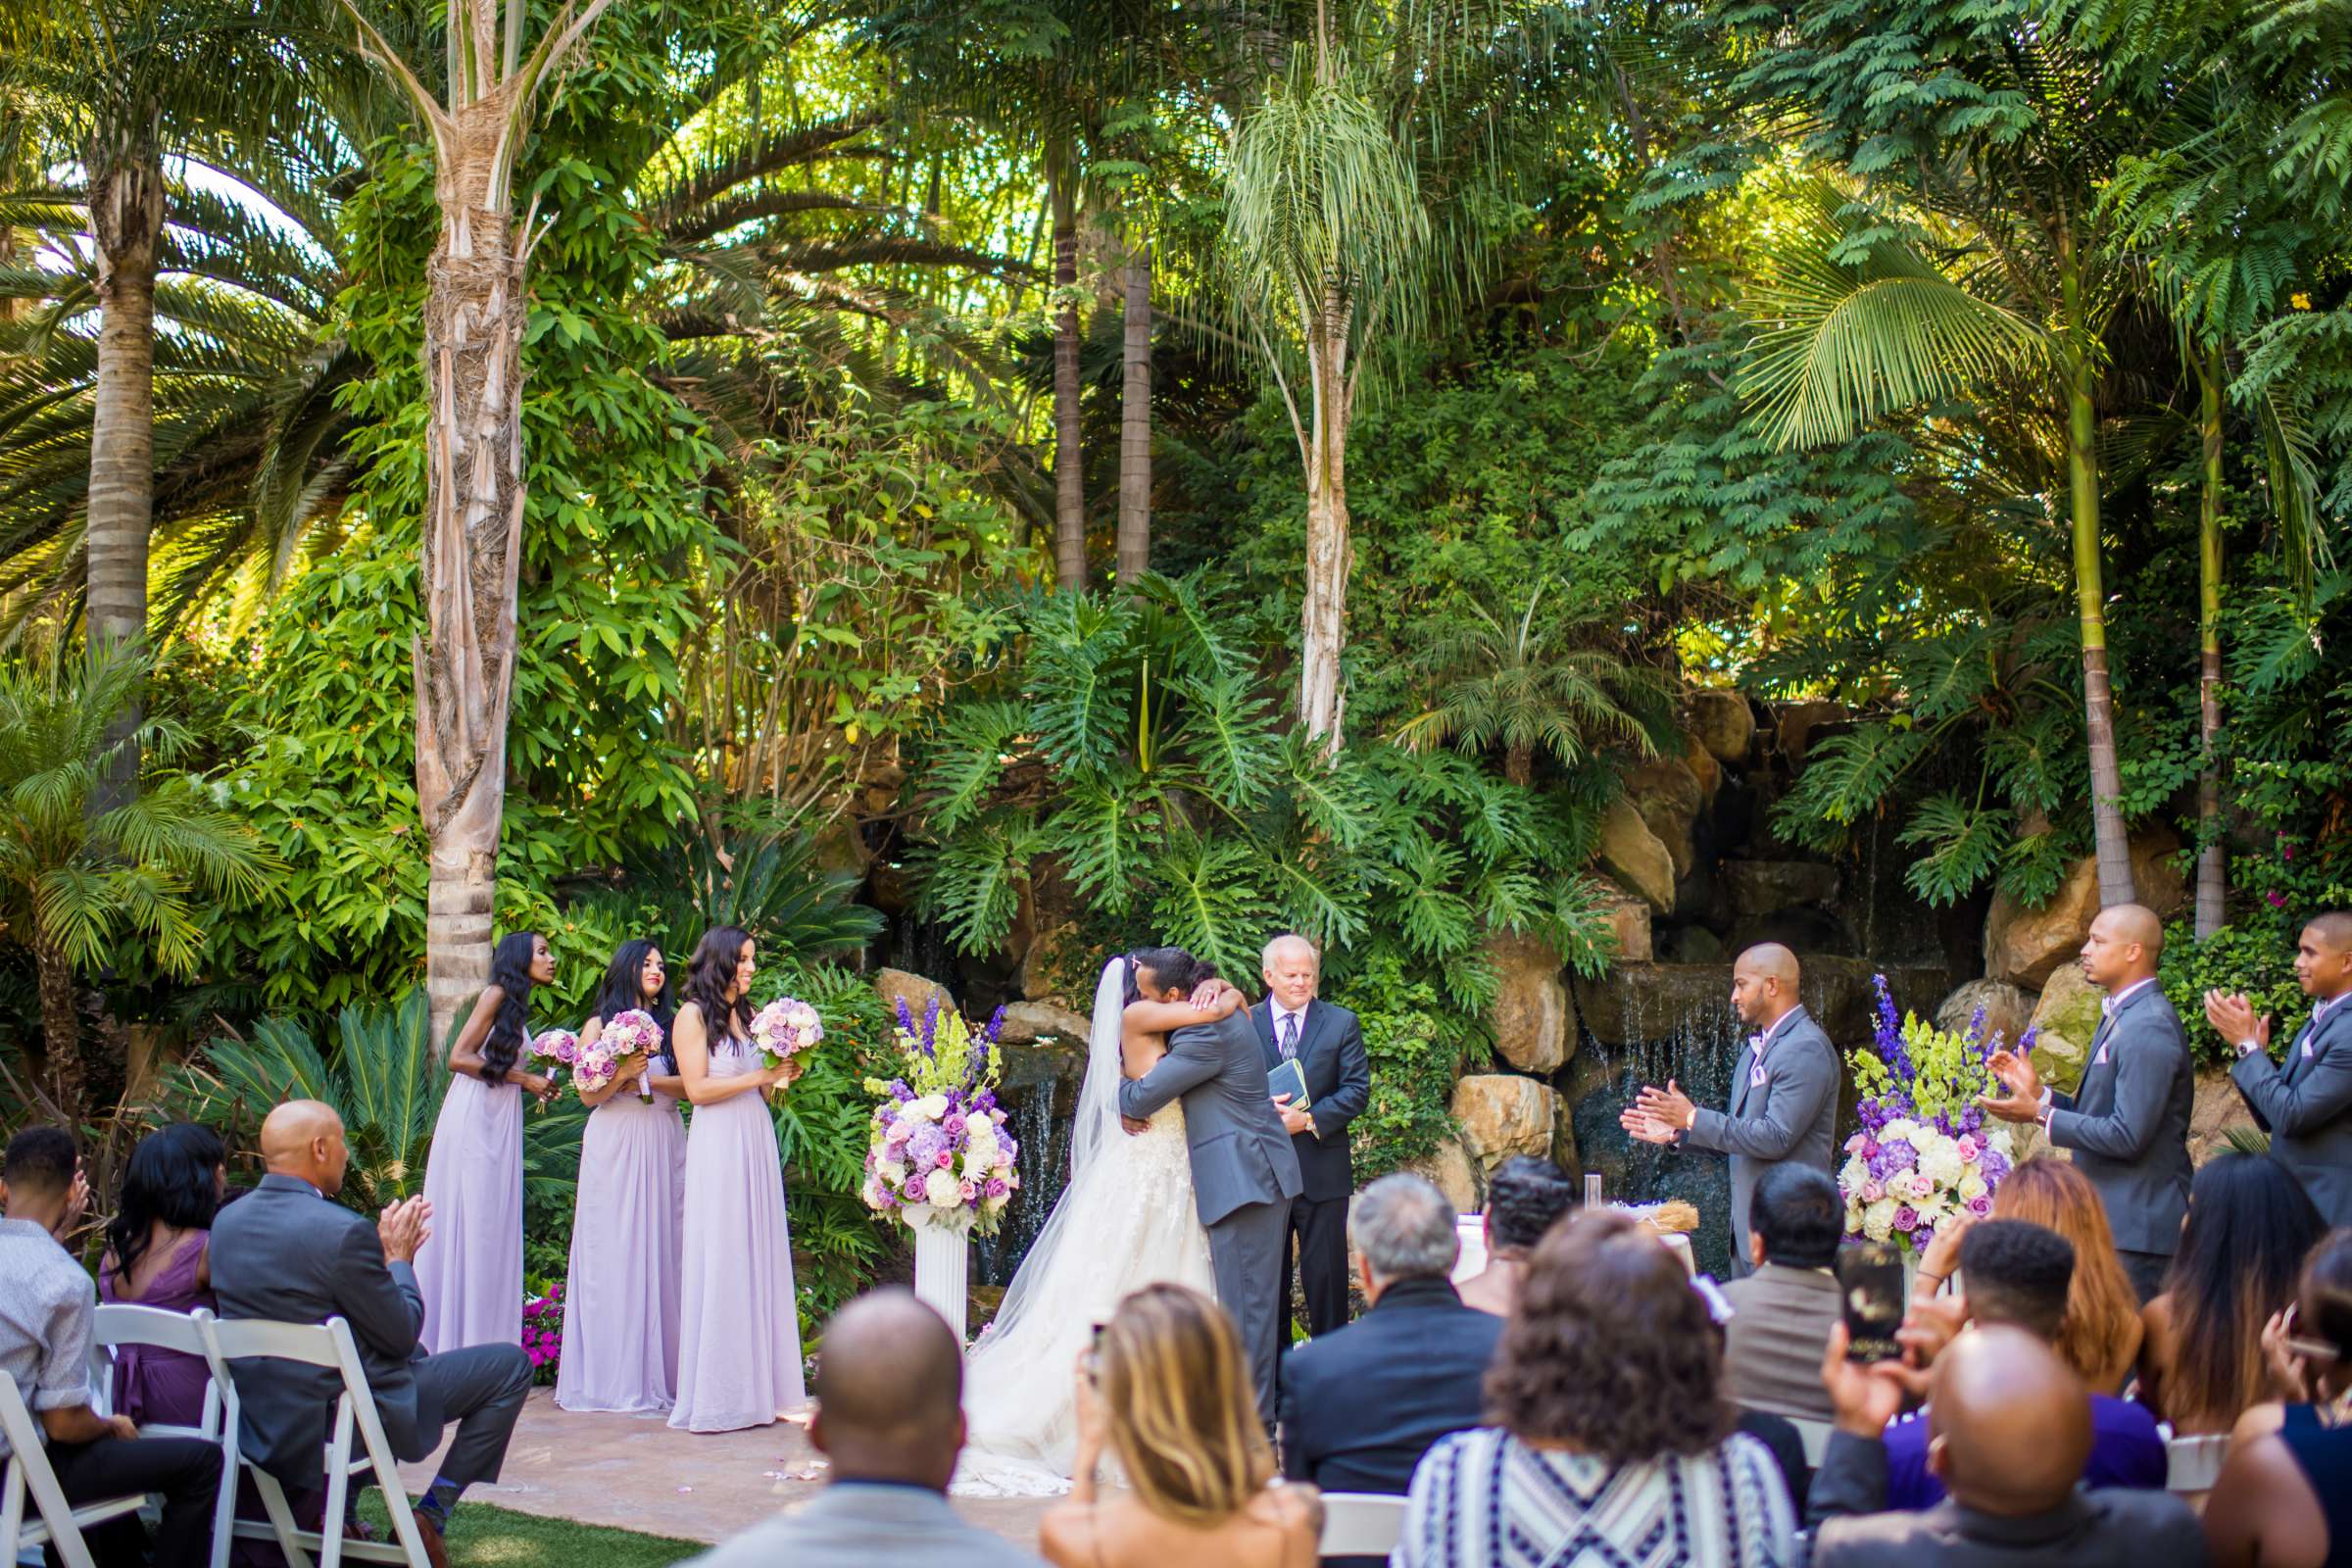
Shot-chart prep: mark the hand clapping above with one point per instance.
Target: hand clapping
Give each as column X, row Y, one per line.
column 2022, row 1101
column 2233, row 1018
column 1659, row 1115
column 402, row 1229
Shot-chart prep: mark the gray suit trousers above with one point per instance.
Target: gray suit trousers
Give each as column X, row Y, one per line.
column 1245, row 1252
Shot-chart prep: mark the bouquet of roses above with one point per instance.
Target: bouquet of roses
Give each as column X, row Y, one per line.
column 937, row 1151
column 555, row 1051
column 633, row 1033
column 784, row 1028
column 1924, row 1155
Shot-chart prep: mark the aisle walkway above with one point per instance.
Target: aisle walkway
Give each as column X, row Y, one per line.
column 634, row 1473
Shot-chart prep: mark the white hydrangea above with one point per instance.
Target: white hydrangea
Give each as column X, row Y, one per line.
column 943, row 1189
column 1877, row 1220
column 1940, row 1160
column 980, row 1145
column 1853, row 1173
column 1902, row 1130
column 893, row 1171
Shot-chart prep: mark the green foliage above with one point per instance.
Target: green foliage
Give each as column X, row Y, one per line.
column 1417, row 1041
column 2253, row 956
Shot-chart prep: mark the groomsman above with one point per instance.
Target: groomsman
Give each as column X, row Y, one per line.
column 1784, row 1091
column 2305, row 1103
column 1328, row 1044
column 2127, row 1120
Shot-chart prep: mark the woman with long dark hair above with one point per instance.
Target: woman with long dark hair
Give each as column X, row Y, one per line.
column 739, row 1332
column 469, row 1269
column 2251, row 1226
column 158, row 1253
column 620, row 1295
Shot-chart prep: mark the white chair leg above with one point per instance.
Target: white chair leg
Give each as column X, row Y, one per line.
column 282, row 1517
column 338, row 1485
column 12, row 1514
column 396, row 1505
column 224, row 1509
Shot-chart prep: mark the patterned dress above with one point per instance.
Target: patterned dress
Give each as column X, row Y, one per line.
column 1485, row 1500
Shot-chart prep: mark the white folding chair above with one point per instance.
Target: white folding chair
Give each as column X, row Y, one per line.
column 1815, row 1435
column 119, row 1325
column 1361, row 1524
column 60, row 1525
column 2194, row 1464
column 329, row 1345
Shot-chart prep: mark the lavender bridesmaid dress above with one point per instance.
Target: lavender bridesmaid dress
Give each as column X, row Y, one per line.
column 739, row 1339
column 469, row 1269
column 620, row 1302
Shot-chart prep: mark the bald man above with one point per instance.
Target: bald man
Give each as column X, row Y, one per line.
column 288, row 1253
column 1784, row 1102
column 2304, row 1103
column 2011, row 1431
column 2127, row 1121
column 890, row 1419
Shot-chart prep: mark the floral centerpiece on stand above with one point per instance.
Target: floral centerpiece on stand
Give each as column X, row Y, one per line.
column 1925, row 1153
column 938, row 1153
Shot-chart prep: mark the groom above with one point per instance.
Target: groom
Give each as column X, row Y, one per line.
column 1245, row 1173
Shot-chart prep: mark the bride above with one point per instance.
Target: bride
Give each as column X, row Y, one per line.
column 1125, row 1220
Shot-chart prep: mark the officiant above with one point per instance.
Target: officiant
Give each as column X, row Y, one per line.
column 1324, row 1047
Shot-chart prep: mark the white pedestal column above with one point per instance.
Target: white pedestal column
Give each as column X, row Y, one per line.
column 943, row 1270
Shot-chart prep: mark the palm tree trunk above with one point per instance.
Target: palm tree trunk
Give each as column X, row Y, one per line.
column 473, row 319
column 1323, row 610
column 126, row 223
column 2212, row 857
column 1069, row 472
column 2112, row 846
column 1135, row 419
column 60, row 1031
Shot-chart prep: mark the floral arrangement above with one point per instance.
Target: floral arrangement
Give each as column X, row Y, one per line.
column 784, row 1028
column 553, row 1051
column 1924, row 1155
column 631, row 1032
column 542, row 1331
column 937, row 1151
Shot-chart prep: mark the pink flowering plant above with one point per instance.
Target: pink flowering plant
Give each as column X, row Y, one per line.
column 542, row 1331
column 1925, row 1153
column 937, row 1151
column 633, row 1033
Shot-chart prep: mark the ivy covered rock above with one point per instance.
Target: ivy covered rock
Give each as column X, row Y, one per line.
column 2064, row 1021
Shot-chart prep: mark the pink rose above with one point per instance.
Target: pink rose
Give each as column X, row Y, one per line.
column 1966, row 1143
column 1980, row 1205
column 945, row 1159
column 1856, row 1144
column 971, row 1189
column 1873, row 1189
column 1906, row 1218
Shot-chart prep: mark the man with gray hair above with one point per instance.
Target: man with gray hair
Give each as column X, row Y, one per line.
column 1361, row 1404
column 1295, row 1025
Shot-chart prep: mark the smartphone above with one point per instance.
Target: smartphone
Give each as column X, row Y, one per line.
column 1870, row 1282
column 1093, row 1353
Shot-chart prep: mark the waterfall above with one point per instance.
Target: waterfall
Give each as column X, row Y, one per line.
column 1044, row 1162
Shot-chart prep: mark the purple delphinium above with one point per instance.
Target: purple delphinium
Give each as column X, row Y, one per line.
column 931, row 1026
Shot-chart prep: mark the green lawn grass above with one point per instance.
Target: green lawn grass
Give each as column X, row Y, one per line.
column 482, row 1535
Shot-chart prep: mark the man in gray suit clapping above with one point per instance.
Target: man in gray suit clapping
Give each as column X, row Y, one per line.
column 2305, row 1101
column 1783, row 1090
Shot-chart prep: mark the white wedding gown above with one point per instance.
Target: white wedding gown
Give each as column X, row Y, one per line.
column 1126, row 1220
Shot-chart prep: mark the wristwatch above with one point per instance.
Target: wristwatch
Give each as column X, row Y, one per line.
column 2247, row 1048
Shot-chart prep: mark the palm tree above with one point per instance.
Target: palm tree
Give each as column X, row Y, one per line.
column 1513, row 684
column 81, row 884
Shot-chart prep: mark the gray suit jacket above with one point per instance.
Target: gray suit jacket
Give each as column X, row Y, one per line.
column 868, row 1524
column 1792, row 1114
column 285, row 1255
column 1240, row 1155
column 2109, row 1528
column 2305, row 1105
column 1772, row 1349
column 2127, row 1122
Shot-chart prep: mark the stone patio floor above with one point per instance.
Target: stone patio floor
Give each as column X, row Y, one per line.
column 634, row 1473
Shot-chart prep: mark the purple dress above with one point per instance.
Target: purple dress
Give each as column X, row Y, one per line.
column 739, row 1335
column 469, row 1269
column 153, row 1385
column 620, row 1302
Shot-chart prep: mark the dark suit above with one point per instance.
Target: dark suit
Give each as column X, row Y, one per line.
column 2305, row 1105
column 1780, row 1322
column 284, row 1255
column 2089, row 1530
column 1339, row 1086
column 1788, row 1110
column 2128, row 1124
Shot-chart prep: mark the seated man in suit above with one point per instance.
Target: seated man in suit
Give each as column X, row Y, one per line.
column 890, row 1417
column 1362, row 1403
column 1525, row 1197
column 1782, row 1313
column 287, row 1253
column 2012, row 1434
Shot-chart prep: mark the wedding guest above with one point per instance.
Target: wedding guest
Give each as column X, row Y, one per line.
column 472, row 1269
column 2127, row 1121
column 2100, row 1334
column 1608, row 1428
column 1294, row 1023
column 1361, row 1404
column 739, row 1332
column 2250, row 1226
column 2013, row 1432
column 2305, row 1102
column 286, row 1253
column 1782, row 1314
column 2018, row 1275
column 158, row 1255
column 46, row 1317
column 620, row 1306
column 1525, row 1197
column 1166, row 1393
column 889, row 1420
column 1784, row 1102
column 2285, row 1496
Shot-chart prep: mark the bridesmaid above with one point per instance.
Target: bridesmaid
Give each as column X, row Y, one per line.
column 739, row 1339
column 158, row 1253
column 469, row 1269
column 621, row 1300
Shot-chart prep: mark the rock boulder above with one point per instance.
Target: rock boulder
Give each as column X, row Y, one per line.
column 1669, row 798
column 1452, row 1170
column 2024, row 945
column 1633, row 854
column 895, row 986
column 1502, row 1115
column 1759, row 888
column 1798, row 721
column 1029, row 1022
column 2064, row 1021
column 1629, row 923
column 2217, row 1107
column 1533, row 1023
column 2008, row 1010
column 1724, row 723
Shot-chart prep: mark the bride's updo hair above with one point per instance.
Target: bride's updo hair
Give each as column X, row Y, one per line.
column 1175, row 1387
column 1168, row 966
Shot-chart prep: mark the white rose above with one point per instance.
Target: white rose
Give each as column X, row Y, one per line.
column 2002, row 1141
column 1941, row 1162
column 1973, row 1185
column 931, row 1108
column 1877, row 1220
column 1853, row 1173
column 943, row 1189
